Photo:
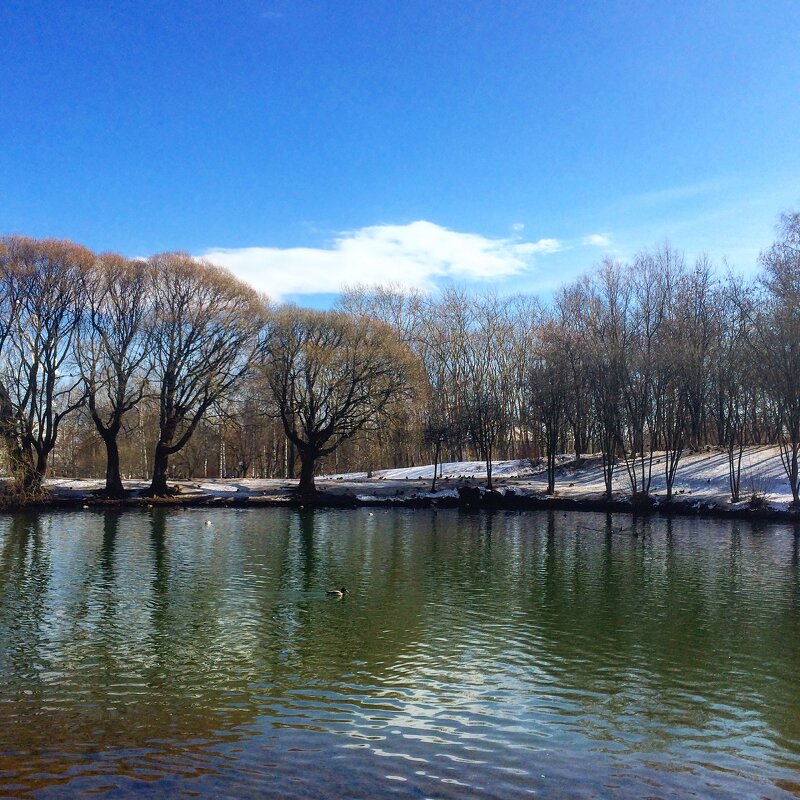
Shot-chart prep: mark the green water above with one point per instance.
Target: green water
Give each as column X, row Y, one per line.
column 196, row 654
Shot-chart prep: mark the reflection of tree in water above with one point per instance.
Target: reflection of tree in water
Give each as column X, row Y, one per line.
column 95, row 682
column 185, row 632
column 111, row 521
column 781, row 694
column 317, row 638
column 25, row 568
column 655, row 622
column 310, row 578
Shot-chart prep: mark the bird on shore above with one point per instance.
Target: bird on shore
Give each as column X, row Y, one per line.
column 337, row 592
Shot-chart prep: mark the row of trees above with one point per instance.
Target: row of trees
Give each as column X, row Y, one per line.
column 106, row 335
column 174, row 358
column 638, row 362
column 102, row 332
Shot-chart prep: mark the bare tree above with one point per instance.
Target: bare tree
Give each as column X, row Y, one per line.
column 112, row 355
column 699, row 330
column 445, row 323
column 332, row 376
column 435, row 435
column 485, row 347
column 606, row 328
column 393, row 305
column 9, row 308
column 671, row 382
column 652, row 279
column 777, row 339
column 42, row 280
column 205, row 333
column 547, row 385
column 524, row 313
column 570, row 303
column 684, row 345
column 733, row 374
column 403, row 437
column 440, row 410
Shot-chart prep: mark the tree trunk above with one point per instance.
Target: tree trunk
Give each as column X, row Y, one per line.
column 158, row 485
column 435, row 464
column 308, row 460
column 114, row 487
column 551, row 435
column 29, row 479
column 41, row 467
column 580, row 440
column 609, row 463
column 20, row 463
column 734, row 469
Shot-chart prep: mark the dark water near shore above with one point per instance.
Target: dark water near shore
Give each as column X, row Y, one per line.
column 506, row 655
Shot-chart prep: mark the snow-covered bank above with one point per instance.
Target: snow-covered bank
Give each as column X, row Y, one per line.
column 701, row 486
column 702, row 475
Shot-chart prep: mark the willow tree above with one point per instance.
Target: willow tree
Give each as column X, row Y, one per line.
column 113, row 352
column 331, row 376
column 205, row 330
column 42, row 282
column 9, row 303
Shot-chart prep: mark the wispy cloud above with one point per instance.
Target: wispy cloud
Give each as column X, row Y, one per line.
column 597, row 240
column 417, row 255
column 674, row 194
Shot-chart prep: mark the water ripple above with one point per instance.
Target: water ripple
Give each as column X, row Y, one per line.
column 500, row 656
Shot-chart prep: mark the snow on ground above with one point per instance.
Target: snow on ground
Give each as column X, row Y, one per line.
column 702, row 478
column 224, row 488
column 450, row 470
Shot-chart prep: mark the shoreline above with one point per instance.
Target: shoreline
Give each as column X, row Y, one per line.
column 469, row 496
column 700, row 490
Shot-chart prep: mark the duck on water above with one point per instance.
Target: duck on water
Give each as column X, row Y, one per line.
column 337, row 592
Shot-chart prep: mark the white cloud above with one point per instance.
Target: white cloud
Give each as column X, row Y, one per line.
column 597, row 240
column 518, row 227
column 413, row 255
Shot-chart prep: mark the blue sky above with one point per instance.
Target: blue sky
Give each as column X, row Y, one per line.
column 307, row 144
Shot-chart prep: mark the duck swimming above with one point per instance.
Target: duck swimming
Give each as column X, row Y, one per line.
column 337, row 592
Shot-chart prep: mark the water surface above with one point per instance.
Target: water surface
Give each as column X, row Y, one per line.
column 195, row 653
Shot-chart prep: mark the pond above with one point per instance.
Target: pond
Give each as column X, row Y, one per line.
column 195, row 653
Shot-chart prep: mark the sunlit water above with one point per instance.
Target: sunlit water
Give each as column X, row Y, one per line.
column 195, row 653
